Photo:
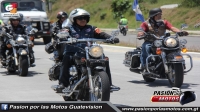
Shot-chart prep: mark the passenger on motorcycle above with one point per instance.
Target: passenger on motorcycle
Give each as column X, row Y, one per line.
column 14, row 28
column 80, row 29
column 154, row 25
column 62, row 16
column 123, row 21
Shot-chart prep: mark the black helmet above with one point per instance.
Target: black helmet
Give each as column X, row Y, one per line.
column 62, row 14
column 15, row 17
column 154, row 12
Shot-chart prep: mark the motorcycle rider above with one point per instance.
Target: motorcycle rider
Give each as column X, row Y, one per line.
column 79, row 19
column 61, row 16
column 154, row 25
column 14, row 28
column 123, row 21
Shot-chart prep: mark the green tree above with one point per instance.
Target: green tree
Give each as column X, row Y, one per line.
column 119, row 7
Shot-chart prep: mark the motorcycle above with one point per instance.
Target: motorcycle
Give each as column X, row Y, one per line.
column 124, row 29
column 58, row 48
column 18, row 53
column 31, row 36
column 166, row 60
column 88, row 78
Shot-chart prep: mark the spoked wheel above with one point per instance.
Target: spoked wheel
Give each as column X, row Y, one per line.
column 101, row 87
column 175, row 75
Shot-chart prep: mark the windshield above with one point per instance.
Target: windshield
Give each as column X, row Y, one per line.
column 21, row 6
column 66, row 23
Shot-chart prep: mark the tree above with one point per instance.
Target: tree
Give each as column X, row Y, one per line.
column 119, row 7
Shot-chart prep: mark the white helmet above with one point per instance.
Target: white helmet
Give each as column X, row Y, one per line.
column 78, row 12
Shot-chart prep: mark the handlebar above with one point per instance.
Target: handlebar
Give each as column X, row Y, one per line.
column 74, row 40
column 149, row 35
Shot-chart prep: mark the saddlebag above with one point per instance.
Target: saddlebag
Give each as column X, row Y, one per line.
column 133, row 57
column 54, row 72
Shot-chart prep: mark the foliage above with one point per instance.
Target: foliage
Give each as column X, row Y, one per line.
column 102, row 16
column 119, row 7
column 52, row 1
column 153, row 1
column 190, row 3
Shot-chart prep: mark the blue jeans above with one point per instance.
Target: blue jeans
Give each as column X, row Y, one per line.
column 146, row 48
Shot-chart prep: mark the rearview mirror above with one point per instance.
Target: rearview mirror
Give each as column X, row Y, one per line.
column 183, row 26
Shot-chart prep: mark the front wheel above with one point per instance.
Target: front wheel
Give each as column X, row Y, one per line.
column 175, row 75
column 124, row 32
column 101, row 87
column 23, row 66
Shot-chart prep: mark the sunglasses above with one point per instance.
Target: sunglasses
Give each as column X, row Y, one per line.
column 159, row 14
column 82, row 18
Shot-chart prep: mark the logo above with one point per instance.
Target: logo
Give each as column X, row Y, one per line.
column 10, row 7
column 174, row 95
column 166, row 96
column 88, row 30
column 4, row 106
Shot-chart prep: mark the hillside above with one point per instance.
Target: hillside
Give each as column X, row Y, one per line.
column 99, row 8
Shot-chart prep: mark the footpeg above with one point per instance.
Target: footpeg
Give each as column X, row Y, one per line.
column 32, row 65
column 66, row 90
column 111, row 90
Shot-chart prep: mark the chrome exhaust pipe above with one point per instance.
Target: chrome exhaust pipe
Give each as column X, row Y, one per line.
column 73, row 90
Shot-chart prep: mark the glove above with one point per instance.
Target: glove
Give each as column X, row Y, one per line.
column 183, row 33
column 116, row 40
column 112, row 40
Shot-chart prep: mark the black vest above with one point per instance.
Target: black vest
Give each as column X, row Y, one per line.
column 76, row 32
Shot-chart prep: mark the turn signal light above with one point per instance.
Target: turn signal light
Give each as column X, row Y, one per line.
column 184, row 50
column 179, row 57
column 158, row 51
column 9, row 45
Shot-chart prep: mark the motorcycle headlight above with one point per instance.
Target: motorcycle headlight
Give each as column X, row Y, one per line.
column 20, row 40
column 96, row 51
column 158, row 43
column 170, row 42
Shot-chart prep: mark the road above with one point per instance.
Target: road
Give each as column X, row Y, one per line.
column 134, row 91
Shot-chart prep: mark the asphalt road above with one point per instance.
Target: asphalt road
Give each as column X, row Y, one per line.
column 134, row 91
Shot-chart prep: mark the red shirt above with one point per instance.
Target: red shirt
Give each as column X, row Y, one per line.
column 145, row 27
